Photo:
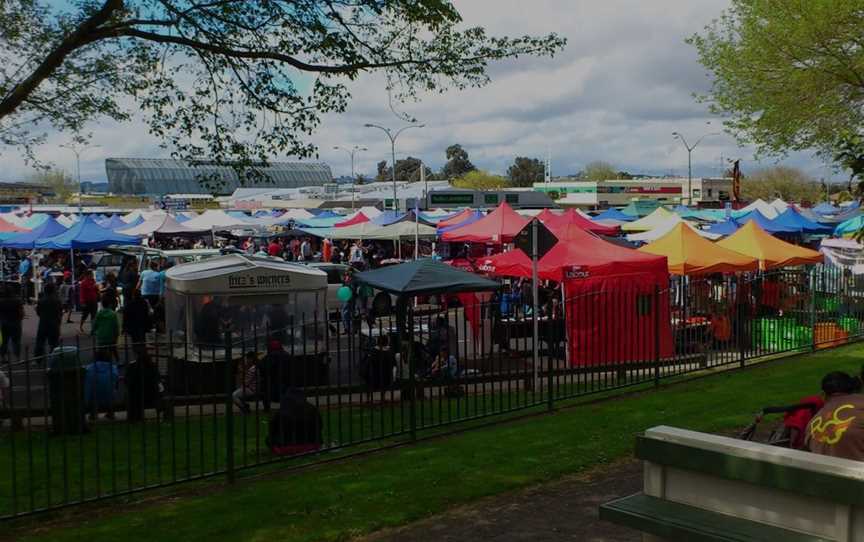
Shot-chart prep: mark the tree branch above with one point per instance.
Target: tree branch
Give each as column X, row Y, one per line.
column 55, row 58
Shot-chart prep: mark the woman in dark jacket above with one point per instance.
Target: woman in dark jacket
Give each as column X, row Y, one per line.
column 136, row 317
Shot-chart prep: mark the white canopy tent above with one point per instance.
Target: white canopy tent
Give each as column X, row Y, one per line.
column 215, row 219
column 759, row 205
column 164, row 224
column 665, row 227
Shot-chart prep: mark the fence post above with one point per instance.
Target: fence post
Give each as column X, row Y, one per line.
column 412, row 381
column 813, row 309
column 656, row 308
column 229, row 410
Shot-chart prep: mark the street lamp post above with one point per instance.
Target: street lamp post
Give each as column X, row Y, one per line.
column 78, row 151
column 352, row 151
column 677, row 135
column 393, row 136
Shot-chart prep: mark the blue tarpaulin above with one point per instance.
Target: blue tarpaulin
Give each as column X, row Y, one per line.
column 48, row 228
column 825, row 208
column 87, row 234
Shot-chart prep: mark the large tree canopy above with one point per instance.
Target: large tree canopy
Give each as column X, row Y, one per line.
column 787, row 75
column 526, row 171
column 231, row 80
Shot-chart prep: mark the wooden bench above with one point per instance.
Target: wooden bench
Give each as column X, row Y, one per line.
column 707, row 487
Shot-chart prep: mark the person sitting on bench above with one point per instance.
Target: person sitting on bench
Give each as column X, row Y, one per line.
column 837, row 429
column 296, row 428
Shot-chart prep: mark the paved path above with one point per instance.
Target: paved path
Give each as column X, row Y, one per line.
column 558, row 511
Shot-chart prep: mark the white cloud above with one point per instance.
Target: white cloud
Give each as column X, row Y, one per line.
column 622, row 86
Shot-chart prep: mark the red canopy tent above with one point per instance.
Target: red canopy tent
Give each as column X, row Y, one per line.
column 358, row 218
column 616, row 299
column 499, row 226
column 7, row 227
column 555, row 221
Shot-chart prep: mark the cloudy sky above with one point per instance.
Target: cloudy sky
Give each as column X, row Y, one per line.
column 617, row 92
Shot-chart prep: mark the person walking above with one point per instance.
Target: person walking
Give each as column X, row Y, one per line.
column 150, row 284
column 11, row 317
column 106, row 327
column 88, row 295
column 49, row 309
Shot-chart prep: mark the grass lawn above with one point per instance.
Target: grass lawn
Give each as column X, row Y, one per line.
column 338, row 501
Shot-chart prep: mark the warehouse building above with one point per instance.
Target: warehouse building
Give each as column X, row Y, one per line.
column 149, row 176
column 704, row 192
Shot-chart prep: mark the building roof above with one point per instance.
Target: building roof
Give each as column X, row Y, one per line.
column 160, row 176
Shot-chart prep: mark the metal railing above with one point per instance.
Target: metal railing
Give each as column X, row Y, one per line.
column 89, row 423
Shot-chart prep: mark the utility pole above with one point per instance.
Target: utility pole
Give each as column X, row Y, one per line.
column 78, row 151
column 351, row 152
column 393, row 137
column 690, row 148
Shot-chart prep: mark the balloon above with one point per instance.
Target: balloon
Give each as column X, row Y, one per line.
column 344, row 294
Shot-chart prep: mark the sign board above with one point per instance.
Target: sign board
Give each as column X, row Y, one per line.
column 545, row 239
column 174, row 204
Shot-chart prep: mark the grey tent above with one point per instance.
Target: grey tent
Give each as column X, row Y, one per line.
column 425, row 277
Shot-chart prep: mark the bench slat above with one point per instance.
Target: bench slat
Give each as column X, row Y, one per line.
column 679, row 522
column 821, row 485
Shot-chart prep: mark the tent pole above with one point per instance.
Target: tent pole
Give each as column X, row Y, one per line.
column 564, row 317
column 534, row 301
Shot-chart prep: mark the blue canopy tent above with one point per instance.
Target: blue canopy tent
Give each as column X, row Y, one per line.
column 35, row 220
column 138, row 220
column 727, row 227
column 853, row 225
column 28, row 240
column 114, row 223
column 327, row 214
column 86, row 234
column 326, row 222
column 387, row 217
column 240, row 215
column 771, row 226
column 614, row 214
column 179, row 217
column 825, row 208
column 792, row 218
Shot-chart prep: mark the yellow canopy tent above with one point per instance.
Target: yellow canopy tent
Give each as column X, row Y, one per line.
column 753, row 241
column 688, row 253
column 648, row 223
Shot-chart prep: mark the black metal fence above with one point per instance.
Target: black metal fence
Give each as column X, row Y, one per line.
column 90, row 422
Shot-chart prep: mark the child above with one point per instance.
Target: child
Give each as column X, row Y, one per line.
column 248, row 386
column 106, row 326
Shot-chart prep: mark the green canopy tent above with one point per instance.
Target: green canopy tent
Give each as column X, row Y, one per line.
column 425, row 277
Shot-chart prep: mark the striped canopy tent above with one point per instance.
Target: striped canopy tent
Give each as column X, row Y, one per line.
column 753, row 241
column 357, row 218
column 688, row 253
column 27, row 240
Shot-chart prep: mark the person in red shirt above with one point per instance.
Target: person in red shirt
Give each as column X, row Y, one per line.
column 274, row 249
column 88, row 294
